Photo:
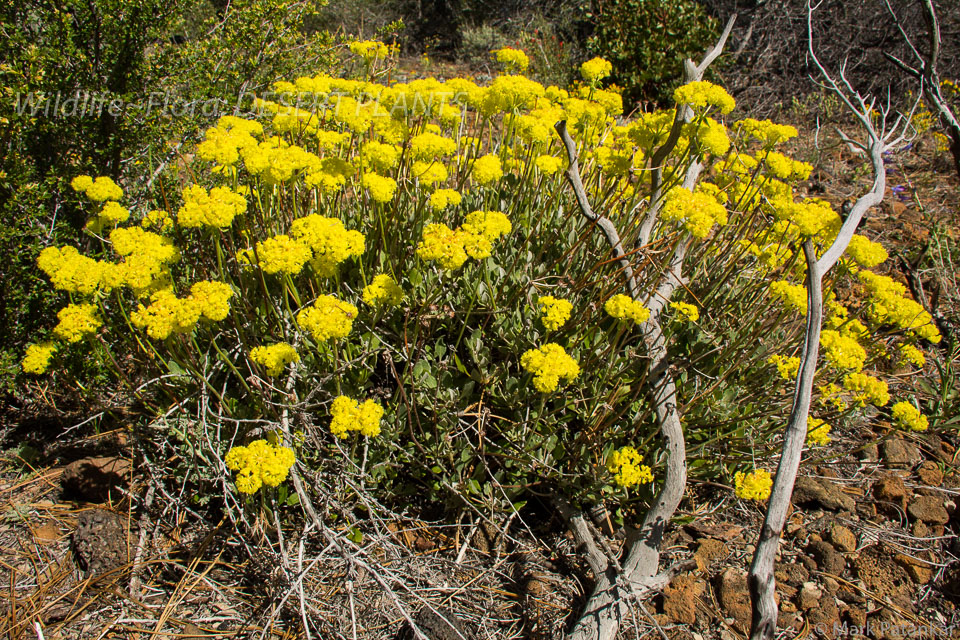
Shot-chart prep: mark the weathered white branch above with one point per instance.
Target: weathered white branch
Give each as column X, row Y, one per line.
column 607, row 227
column 929, row 78
column 761, row 577
column 691, row 73
column 638, row 574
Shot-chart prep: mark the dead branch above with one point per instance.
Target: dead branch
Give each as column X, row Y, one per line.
column 761, row 577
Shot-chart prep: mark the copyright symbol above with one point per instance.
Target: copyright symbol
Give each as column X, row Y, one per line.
column 820, row 628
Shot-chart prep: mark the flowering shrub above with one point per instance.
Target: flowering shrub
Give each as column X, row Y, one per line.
column 400, row 268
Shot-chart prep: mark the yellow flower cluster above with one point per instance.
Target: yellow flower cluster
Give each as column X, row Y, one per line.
column 77, row 321
column 811, row 217
column 429, row 173
column 274, row 357
column 842, row 352
column 687, row 310
column 329, row 240
column 371, row 50
column 865, row 252
column 549, row 364
column 548, row 165
column 98, row 190
column 595, row 70
column 222, row 144
column 554, row 312
column 487, row 169
column 216, row 208
column 381, row 188
column 755, row 485
column 384, row 290
column 259, row 464
column 866, row 389
column 818, row 432
column 350, row 415
column 912, row 355
column 167, row 314
column 428, row 146
column 908, row 416
column 474, row 239
column 793, row 296
column 443, row 245
column 702, row 94
column 513, row 60
column 328, row 318
column 786, row 367
column 157, row 219
column 37, row 357
column 626, row 465
column 784, row 167
column 70, row 271
column 443, row 198
column 110, row 215
column 379, row 156
column 625, row 308
column 767, row 132
column 281, row 254
column 889, row 305
column 698, row 211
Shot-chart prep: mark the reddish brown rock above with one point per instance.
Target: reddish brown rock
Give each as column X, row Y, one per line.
column 843, row 538
column 825, row 617
column 898, row 453
column 793, row 574
column 827, row 558
column 95, row 480
column 680, row 599
column 823, row 493
column 734, row 598
column 929, row 474
column 920, row 572
column 809, row 596
column 928, row 509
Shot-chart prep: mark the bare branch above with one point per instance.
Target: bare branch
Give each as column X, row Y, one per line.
column 761, row 577
column 608, row 228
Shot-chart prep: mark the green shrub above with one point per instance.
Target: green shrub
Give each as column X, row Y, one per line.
column 647, row 41
column 352, row 279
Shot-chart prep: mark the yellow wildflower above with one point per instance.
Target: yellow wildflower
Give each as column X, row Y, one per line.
column 486, row 169
column 382, row 291
column 755, row 485
column 274, row 357
column 818, row 432
column 689, row 311
column 908, row 416
column 77, row 321
column 328, row 318
column 549, row 364
column 259, row 463
column 554, row 311
column 350, row 415
column 625, row 308
column 37, row 358
column 595, row 70
column 625, row 464
column 786, row 367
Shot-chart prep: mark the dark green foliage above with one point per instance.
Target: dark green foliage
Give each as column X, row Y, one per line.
column 647, row 41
